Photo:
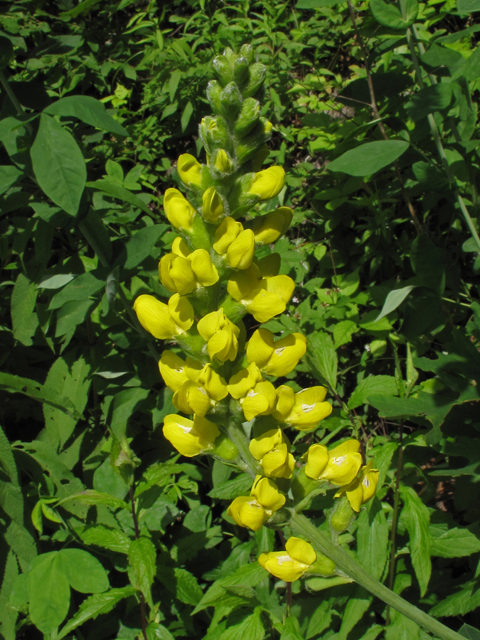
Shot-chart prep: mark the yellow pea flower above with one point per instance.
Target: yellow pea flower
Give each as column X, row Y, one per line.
column 308, row 409
column 362, row 489
column 201, row 395
column 176, row 371
column 275, row 358
column 291, row 564
column 161, row 320
column 190, row 437
column 272, row 226
column 241, row 383
column 226, row 234
column 176, row 274
column 339, row 466
column 223, row 163
column 259, row 401
column 178, row 210
column 272, row 450
column 268, row 183
column 254, row 510
column 189, row 170
column 204, row 270
column 220, row 334
column 240, row 253
column 180, row 248
column 285, row 402
column 212, row 205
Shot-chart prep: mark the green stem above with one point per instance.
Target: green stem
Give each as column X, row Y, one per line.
column 345, row 563
column 237, row 435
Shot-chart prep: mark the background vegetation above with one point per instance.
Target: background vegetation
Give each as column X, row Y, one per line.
column 98, row 99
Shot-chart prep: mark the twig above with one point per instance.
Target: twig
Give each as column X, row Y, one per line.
column 376, row 113
column 143, row 611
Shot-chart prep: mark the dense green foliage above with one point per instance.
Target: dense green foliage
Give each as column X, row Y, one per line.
column 98, row 99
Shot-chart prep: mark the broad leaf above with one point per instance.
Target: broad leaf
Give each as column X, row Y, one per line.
column 382, row 385
column 88, row 110
column 368, row 158
column 141, row 560
column 49, row 592
column 389, row 15
column 394, row 300
column 321, row 358
column 84, row 572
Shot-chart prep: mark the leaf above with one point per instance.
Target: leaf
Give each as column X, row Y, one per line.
column 123, row 407
column 142, row 243
column 94, row 606
column 317, row 4
column 9, row 175
column 55, row 282
column 429, row 100
column 7, row 594
column 389, row 15
column 291, row 630
column 416, row 518
column 232, row 488
column 58, row 165
column 119, row 193
column 173, row 83
column 382, row 385
column 458, row 603
column 101, row 536
column 91, row 497
column 455, row 543
column 382, row 461
column 355, row 608
column 343, row 331
column 49, row 592
column 402, row 628
column 468, row 6
column 368, row 158
column 24, row 320
column 469, row 632
column 250, row 628
column 394, row 300
column 7, row 461
column 81, row 288
column 141, row 560
column 321, row 358
column 71, row 315
column 372, row 539
column 84, row 572
column 88, row 110
column 182, row 584
column 427, row 263
column 186, row 115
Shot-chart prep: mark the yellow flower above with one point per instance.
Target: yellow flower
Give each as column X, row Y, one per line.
column 189, row 170
column 289, row 565
column 271, row 227
column 223, row 162
column 254, row 510
column 220, row 334
column 212, row 209
column 268, row 183
column 176, row 274
column 180, row 248
column 241, row 383
column 339, row 466
column 226, row 234
column 190, row 437
column 259, row 401
column 178, row 210
column 308, row 409
column 362, row 489
column 235, row 243
column 164, row 321
column 176, row 371
column 275, row 358
column 285, row 402
column 201, row 395
column 272, row 450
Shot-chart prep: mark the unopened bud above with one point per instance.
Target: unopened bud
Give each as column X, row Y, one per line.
column 341, row 517
column 247, row 52
column 240, row 70
column 230, row 101
column 257, row 73
column 223, row 70
column 248, row 117
column 213, row 96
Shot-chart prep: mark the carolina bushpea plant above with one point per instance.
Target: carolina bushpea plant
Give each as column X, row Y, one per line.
column 224, row 380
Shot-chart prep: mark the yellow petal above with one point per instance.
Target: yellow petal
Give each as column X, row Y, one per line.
column 178, row 210
column 223, row 162
column 264, row 305
column 268, row 183
column 266, row 492
column 180, row 248
column 213, row 383
column 369, row 481
column 343, row 466
column 176, row 274
column 264, row 443
column 260, row 347
column 204, row 270
column 300, row 550
column 181, row 311
column 283, row 286
column 172, row 370
column 210, row 324
column 317, row 460
column 155, row 318
column 247, row 512
column 355, row 496
column 193, row 369
column 223, row 345
column 226, row 234
column 242, row 283
column 192, row 398
column 212, row 209
column 285, row 355
column 241, row 383
column 285, row 402
column 240, row 253
column 189, row 170
column 278, row 463
column 306, row 416
column 270, row 228
column 282, row 566
column 190, row 437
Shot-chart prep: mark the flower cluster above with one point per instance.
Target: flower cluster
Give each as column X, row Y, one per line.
column 225, row 379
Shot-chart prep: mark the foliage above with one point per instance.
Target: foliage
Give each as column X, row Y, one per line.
column 105, row 525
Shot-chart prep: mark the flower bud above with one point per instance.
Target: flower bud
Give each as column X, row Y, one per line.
column 268, row 183
column 240, row 253
column 240, row 70
column 226, row 234
column 291, row 564
column 214, row 133
column 190, row 437
column 362, row 489
column 220, row 334
column 257, row 73
column 275, row 358
column 213, row 96
column 212, row 209
column 189, row 170
column 176, row 274
column 339, row 466
column 223, row 70
column 247, row 52
column 248, row 117
column 309, row 408
column 201, row 395
column 254, row 510
column 179, row 211
column 248, row 146
column 341, row 517
column 164, row 321
column 271, row 227
column 230, row 101
column 223, row 164
column 272, row 450
column 225, row 449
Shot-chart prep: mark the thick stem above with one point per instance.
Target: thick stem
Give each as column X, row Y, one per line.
column 345, row 563
column 237, row 435
column 143, row 611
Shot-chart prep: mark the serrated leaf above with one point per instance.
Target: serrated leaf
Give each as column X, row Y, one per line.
column 343, row 332
column 321, row 358
column 141, row 559
column 112, row 539
column 455, row 543
column 232, row 488
column 459, row 603
column 416, row 518
column 91, row 497
column 382, row 385
column 389, row 15
column 24, row 320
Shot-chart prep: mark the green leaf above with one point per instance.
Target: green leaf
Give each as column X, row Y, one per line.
column 468, row 6
column 49, row 592
column 250, row 628
column 119, row 193
column 88, row 110
column 186, row 115
column 71, row 315
column 402, row 628
column 94, row 606
column 317, row 4
column 355, row 608
column 382, row 385
column 141, row 560
column 91, row 497
column 372, row 539
column 429, row 100
column 343, row 331
column 24, row 320
column 7, row 461
column 8, row 597
column 6, row 52
column 458, row 603
column 84, row 572
column 56, row 282
column 58, row 165
column 232, row 488
column 81, row 288
column 394, row 300
column 382, row 461
column 469, row 632
column 141, row 245
column 389, row 15
column 321, row 358
column 101, row 536
column 368, row 158
column 291, row 630
column 9, row 175
column 416, row 519
column 455, row 543
column 181, row 583
column 173, row 83
column 123, row 407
